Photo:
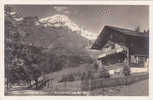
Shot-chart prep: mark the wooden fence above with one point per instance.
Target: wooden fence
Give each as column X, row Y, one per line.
column 110, row 82
column 89, row 84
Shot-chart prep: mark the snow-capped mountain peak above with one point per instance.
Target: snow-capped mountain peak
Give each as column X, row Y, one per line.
column 63, row 20
column 59, row 20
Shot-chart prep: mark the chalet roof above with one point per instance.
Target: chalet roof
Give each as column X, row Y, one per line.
column 127, row 31
column 102, row 38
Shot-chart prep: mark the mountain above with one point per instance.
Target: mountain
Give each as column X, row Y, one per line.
column 48, row 31
column 57, row 31
column 33, row 46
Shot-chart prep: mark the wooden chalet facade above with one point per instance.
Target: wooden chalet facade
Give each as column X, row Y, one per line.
column 122, row 45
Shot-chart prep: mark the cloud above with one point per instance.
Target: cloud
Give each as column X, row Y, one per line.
column 61, row 9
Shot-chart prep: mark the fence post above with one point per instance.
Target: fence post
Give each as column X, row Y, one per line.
column 48, row 84
column 89, row 85
column 65, row 84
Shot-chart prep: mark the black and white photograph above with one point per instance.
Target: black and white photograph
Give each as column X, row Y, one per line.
column 76, row 50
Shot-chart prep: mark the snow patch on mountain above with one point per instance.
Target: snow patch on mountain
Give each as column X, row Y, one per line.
column 18, row 19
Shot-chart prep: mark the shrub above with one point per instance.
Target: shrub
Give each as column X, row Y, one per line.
column 90, row 75
column 104, row 73
column 83, row 76
column 68, row 77
column 126, row 70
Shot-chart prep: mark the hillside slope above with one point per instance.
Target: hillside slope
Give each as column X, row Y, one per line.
column 61, row 40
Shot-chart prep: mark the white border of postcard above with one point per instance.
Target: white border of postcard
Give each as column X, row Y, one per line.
column 53, row 2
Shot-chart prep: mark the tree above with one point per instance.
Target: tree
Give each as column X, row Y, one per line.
column 144, row 31
column 19, row 55
column 12, row 47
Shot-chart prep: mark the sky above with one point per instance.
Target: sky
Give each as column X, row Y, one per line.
column 93, row 17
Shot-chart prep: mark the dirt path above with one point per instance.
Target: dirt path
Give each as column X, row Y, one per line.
column 21, row 91
column 137, row 89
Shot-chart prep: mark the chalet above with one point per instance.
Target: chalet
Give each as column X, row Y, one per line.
column 122, row 46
